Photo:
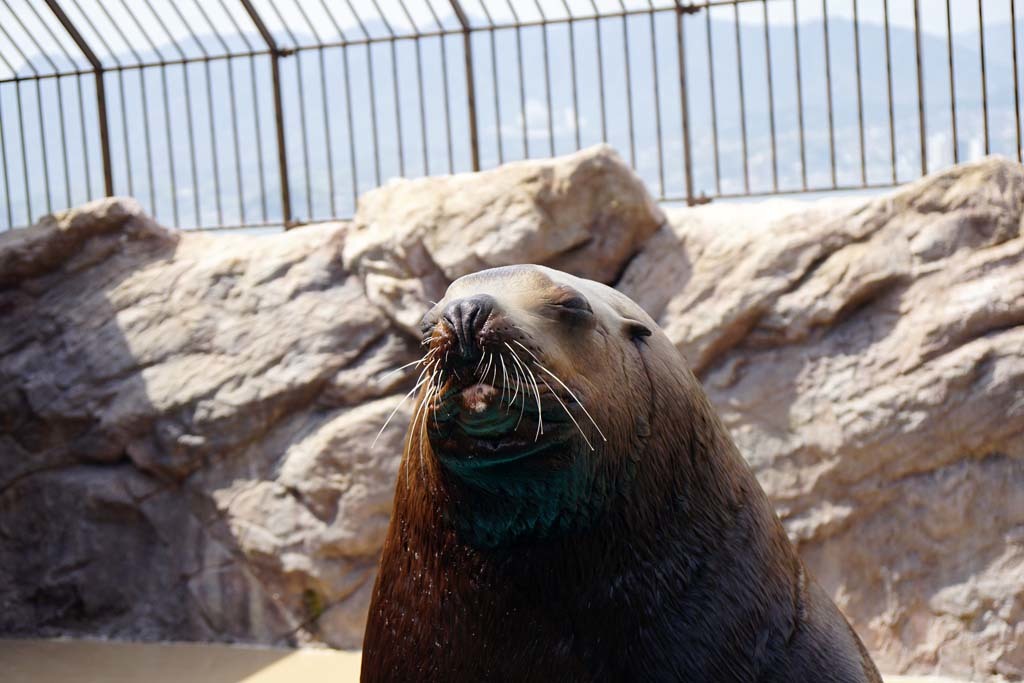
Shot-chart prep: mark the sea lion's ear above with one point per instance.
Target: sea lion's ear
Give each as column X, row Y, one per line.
column 635, row 329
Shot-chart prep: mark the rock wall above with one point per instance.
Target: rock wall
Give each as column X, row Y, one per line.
column 868, row 358
column 186, row 419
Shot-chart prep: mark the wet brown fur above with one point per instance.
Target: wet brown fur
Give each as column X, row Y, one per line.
column 687, row 574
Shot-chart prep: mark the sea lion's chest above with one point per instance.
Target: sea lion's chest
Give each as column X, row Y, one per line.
column 474, row 623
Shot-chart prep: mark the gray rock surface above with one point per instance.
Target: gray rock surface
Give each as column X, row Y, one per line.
column 868, row 357
column 186, row 419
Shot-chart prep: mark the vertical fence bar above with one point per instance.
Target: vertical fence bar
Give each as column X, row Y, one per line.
column 1016, row 76
column 348, row 104
column 353, row 169
column 60, row 103
column 888, row 83
column 828, row 93
column 39, row 101
column 600, row 72
column 301, row 100
column 713, row 98
column 467, row 51
column 394, row 80
column 101, row 93
column 547, row 76
column 684, row 103
column 81, row 109
column 629, row 85
column 416, row 41
column 442, row 35
column 394, row 93
column 7, row 174
column 799, row 97
column 657, row 102
column 771, row 96
column 522, row 86
column 984, row 74
column 860, row 95
column 952, row 83
column 922, row 130
column 24, row 154
column 189, row 109
column 743, row 99
column 275, row 78
column 572, row 66
column 467, row 48
column 494, row 85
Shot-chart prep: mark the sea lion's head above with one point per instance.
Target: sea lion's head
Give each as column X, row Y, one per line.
column 534, row 400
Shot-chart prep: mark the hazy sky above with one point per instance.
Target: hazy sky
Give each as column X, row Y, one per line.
column 225, row 15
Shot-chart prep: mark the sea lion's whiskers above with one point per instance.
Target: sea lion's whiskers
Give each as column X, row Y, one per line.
column 405, row 398
column 490, row 359
column 536, row 391
column 429, row 396
column 520, row 344
column 430, row 339
column 519, row 385
column 515, row 392
column 575, row 398
column 422, row 359
column 415, row 420
column 566, row 409
column 522, row 402
column 494, row 376
column 540, row 409
column 437, row 384
column 419, row 416
column 504, row 382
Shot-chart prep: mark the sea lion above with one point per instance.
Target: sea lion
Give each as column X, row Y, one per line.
column 570, row 508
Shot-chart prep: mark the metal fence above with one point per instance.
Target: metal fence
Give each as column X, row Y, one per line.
column 248, row 113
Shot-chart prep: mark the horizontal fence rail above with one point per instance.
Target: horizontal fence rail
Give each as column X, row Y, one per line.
column 219, row 114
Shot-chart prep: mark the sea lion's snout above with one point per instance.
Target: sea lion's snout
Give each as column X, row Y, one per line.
column 466, row 318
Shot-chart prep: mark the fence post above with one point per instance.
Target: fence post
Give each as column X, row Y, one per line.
column 922, row 130
column 101, row 93
column 684, row 100
column 467, row 49
column 275, row 77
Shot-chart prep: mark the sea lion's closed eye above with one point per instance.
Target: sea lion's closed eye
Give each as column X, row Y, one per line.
column 635, row 329
column 574, row 303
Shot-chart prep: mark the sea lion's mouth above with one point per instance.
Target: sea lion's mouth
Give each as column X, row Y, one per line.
column 489, row 397
column 479, row 397
column 479, row 425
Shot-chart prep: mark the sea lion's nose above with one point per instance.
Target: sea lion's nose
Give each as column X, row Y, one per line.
column 466, row 317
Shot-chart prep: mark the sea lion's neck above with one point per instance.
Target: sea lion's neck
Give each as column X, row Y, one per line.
column 651, row 562
column 650, row 491
column 501, row 504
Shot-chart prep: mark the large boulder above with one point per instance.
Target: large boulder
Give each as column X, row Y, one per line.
column 868, row 357
column 585, row 213
column 187, row 420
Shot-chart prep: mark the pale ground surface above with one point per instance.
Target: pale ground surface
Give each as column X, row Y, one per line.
column 85, row 661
